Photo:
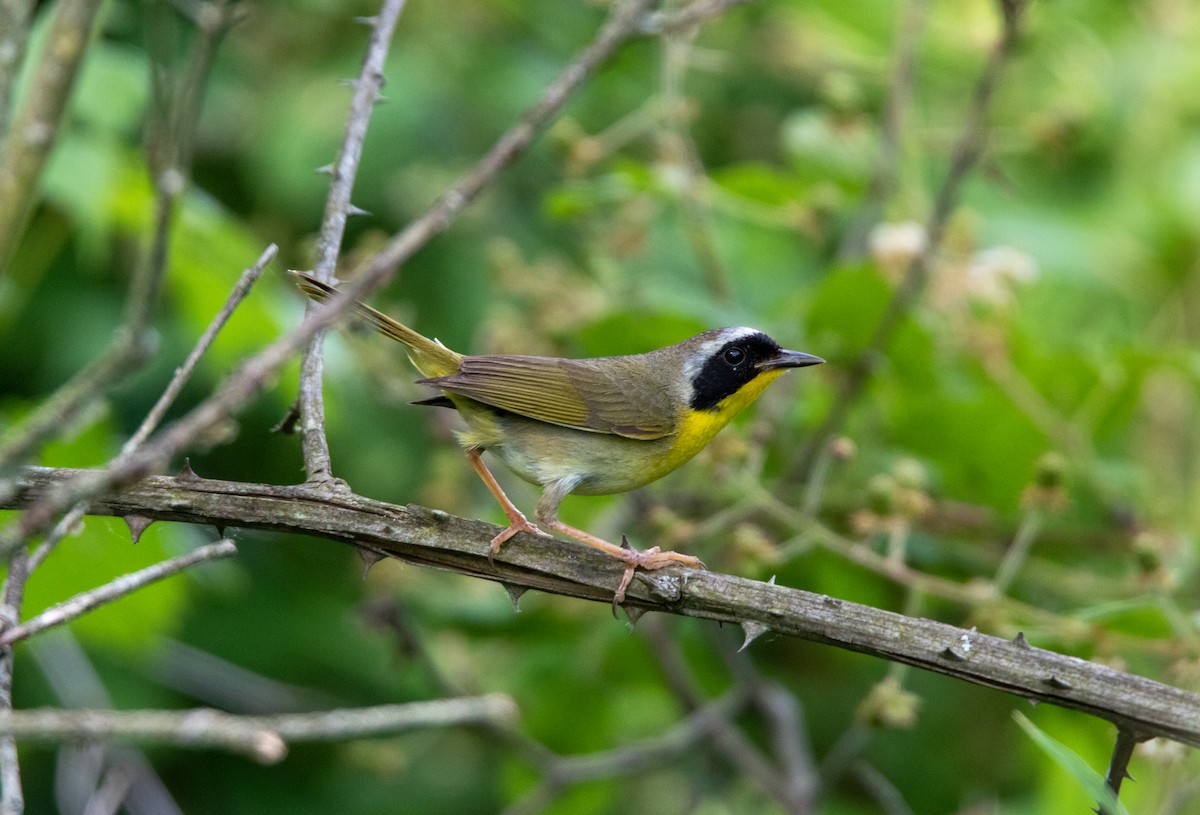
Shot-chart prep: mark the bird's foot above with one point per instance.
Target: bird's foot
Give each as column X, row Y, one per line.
column 517, row 523
column 650, row 559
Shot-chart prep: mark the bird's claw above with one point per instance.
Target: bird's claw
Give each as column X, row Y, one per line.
column 649, row 559
column 516, row 525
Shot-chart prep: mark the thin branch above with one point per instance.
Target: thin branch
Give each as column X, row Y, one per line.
column 171, row 128
column 620, row 27
column 261, row 369
column 263, row 738
column 35, row 126
column 785, row 719
column 967, row 151
column 113, row 789
column 12, row 801
column 126, row 352
column 1118, row 766
column 1018, row 550
column 73, row 679
column 184, row 372
column 880, row 787
column 80, row 604
column 333, row 226
column 15, row 16
column 434, row 538
column 168, row 154
column 798, row 779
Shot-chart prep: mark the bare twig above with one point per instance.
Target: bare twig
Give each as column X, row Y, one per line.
column 263, row 738
column 966, row 153
column 74, row 680
column 255, row 373
column 333, row 226
column 168, row 155
column 14, row 36
column 880, row 787
column 126, row 352
column 797, row 777
column 28, row 142
column 82, row 603
column 784, row 717
column 425, row 537
column 174, row 387
column 116, row 785
column 12, row 801
column 621, row 25
column 184, row 372
column 1118, row 766
column 169, row 135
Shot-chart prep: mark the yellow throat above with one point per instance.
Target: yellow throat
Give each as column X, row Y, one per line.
column 697, row 427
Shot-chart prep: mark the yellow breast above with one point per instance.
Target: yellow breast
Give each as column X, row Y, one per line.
column 696, row 428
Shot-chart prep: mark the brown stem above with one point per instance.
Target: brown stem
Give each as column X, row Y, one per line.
column 433, row 538
column 311, row 401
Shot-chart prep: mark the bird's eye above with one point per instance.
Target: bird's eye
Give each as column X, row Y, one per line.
column 734, row 356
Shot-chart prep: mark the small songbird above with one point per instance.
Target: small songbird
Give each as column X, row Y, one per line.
column 590, row 426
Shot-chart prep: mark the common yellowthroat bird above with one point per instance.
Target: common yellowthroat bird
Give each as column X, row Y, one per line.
column 590, row 426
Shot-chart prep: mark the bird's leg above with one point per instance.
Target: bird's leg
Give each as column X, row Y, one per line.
column 516, row 520
column 652, row 558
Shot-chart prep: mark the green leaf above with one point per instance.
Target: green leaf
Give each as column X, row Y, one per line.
column 1070, row 762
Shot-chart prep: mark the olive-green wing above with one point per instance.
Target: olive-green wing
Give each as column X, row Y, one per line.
column 597, row 395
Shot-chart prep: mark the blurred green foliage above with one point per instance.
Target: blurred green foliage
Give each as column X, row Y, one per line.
column 1062, row 316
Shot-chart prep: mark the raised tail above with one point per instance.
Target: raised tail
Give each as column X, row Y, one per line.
column 428, row 356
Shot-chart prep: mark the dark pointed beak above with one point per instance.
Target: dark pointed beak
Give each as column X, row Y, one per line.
column 789, row 359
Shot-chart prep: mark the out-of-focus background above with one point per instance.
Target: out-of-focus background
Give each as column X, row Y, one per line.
column 1043, row 390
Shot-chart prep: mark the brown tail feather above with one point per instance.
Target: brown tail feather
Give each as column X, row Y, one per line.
column 429, row 357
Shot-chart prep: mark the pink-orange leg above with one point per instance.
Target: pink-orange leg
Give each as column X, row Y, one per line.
column 652, row 558
column 516, row 520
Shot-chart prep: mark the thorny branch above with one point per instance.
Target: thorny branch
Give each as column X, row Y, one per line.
column 338, row 208
column 434, row 538
column 1118, row 767
column 168, row 158
column 261, row 369
column 172, row 391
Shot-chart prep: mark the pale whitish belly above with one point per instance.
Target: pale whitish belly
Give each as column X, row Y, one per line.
column 602, row 463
